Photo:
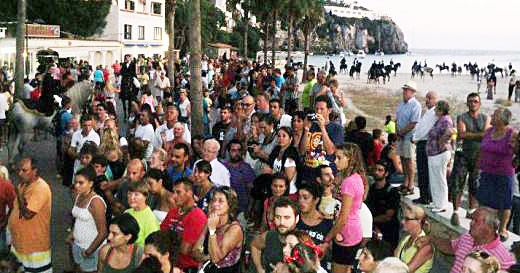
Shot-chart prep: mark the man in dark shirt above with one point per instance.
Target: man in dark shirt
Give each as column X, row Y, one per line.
column 320, row 139
column 383, row 202
column 220, row 129
column 362, row 138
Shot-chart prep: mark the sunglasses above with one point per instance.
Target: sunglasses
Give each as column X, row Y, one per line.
column 409, row 219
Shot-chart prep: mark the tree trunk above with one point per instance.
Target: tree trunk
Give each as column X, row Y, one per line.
column 246, row 32
column 172, row 57
column 20, row 38
column 273, row 42
column 197, row 123
column 306, row 53
column 289, row 39
column 266, row 35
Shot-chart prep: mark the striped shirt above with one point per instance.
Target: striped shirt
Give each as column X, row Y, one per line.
column 465, row 244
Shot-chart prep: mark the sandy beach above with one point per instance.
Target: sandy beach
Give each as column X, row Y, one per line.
column 377, row 100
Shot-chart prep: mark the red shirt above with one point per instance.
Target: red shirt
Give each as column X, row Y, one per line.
column 190, row 227
column 7, row 197
column 376, row 152
column 117, row 68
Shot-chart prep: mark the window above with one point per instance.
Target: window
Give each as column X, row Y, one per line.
column 157, row 33
column 141, row 32
column 128, row 32
column 129, row 5
column 157, row 8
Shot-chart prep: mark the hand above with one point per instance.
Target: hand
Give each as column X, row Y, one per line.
column 69, row 239
column 84, row 253
column 279, row 268
column 422, row 241
column 321, row 121
column 324, row 246
column 213, row 220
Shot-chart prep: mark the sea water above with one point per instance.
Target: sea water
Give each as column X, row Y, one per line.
column 432, row 57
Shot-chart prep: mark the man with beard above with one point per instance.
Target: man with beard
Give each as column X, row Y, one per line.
column 266, row 248
column 164, row 133
column 221, row 128
column 383, row 202
column 242, row 175
column 178, row 166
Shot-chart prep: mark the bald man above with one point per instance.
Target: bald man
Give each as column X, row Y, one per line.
column 420, row 137
column 134, row 173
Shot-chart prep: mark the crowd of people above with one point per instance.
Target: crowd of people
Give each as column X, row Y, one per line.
column 281, row 180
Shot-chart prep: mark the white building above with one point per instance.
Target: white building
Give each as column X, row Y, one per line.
column 94, row 51
column 351, row 9
column 139, row 25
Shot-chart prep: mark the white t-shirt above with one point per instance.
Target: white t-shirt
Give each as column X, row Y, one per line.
column 4, row 106
column 289, row 162
column 183, row 107
column 157, row 141
column 146, row 133
column 78, row 139
column 366, row 221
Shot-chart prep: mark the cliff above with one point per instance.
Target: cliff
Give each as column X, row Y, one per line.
column 353, row 34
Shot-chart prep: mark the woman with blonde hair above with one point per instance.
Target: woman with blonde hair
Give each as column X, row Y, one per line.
column 346, row 234
column 418, row 258
column 480, row 261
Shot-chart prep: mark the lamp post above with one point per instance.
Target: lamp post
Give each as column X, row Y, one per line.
column 20, row 35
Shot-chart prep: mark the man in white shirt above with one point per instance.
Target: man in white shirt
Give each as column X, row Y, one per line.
column 163, row 84
column 284, row 120
column 220, row 175
column 146, row 133
column 420, row 138
column 80, row 137
column 166, row 129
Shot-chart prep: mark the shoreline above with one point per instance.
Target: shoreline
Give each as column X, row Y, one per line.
column 378, row 100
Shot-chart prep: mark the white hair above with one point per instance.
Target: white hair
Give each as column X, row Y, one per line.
column 391, row 265
column 213, row 142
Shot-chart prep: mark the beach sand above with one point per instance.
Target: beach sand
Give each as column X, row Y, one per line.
column 375, row 101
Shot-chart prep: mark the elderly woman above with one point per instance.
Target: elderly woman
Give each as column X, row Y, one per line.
column 438, row 148
column 496, row 166
column 418, row 259
column 224, row 233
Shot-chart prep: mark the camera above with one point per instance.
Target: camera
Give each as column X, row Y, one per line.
column 312, row 116
column 250, row 146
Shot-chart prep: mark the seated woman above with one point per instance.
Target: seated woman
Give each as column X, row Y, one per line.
column 279, row 188
column 284, row 158
column 154, row 178
column 481, row 262
column 418, row 259
column 120, row 253
column 161, row 245
column 389, row 154
column 224, row 237
column 204, row 186
column 373, row 252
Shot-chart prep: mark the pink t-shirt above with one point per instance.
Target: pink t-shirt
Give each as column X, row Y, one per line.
column 465, row 244
column 351, row 233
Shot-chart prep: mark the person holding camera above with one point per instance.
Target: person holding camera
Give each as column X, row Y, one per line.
column 320, row 138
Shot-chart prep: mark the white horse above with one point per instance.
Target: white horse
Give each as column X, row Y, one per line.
column 23, row 120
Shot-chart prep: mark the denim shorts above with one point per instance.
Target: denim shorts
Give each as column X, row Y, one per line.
column 87, row 264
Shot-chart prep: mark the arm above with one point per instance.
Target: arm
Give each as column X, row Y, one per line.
column 232, row 238
column 444, row 245
column 26, row 213
column 330, row 148
column 97, row 208
column 406, row 129
column 396, row 162
column 102, row 260
column 383, row 218
column 424, row 254
column 257, row 246
column 341, row 221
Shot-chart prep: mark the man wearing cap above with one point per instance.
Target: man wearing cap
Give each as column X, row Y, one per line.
column 408, row 115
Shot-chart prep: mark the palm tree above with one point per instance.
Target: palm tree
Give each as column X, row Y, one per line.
column 171, row 48
column 261, row 9
column 195, row 62
column 246, row 7
column 312, row 19
column 294, row 11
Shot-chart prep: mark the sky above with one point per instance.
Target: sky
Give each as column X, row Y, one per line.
column 454, row 24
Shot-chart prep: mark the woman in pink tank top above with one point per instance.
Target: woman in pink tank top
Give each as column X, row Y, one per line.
column 496, row 166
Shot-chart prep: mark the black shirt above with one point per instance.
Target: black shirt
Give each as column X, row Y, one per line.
column 219, row 131
column 365, row 142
